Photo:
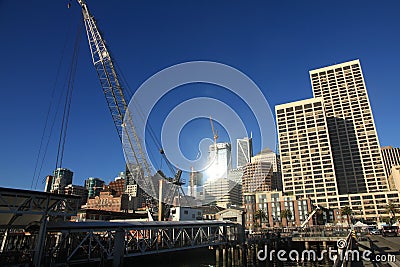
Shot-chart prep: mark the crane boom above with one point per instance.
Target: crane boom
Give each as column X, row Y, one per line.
column 215, row 133
column 115, row 98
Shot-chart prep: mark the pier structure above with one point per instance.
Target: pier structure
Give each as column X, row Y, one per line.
column 24, row 216
column 79, row 242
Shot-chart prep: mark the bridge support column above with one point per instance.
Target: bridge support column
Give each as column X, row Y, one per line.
column 217, row 256
column 242, row 255
column 119, row 247
column 250, row 257
column 37, row 258
column 234, row 256
column 224, row 257
column 230, row 255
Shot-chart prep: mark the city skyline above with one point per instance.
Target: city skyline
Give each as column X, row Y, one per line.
column 262, row 45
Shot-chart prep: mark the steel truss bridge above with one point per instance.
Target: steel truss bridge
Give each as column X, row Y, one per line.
column 24, row 215
column 73, row 243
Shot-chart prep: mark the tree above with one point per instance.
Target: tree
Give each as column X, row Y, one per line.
column 392, row 210
column 260, row 215
column 346, row 210
column 287, row 214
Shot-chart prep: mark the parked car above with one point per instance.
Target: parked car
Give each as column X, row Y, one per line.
column 389, row 230
column 375, row 231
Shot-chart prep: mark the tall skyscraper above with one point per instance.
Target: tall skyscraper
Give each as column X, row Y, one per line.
column 306, row 157
column 219, row 160
column 329, row 147
column 244, row 151
column 391, row 157
column 267, row 155
column 137, row 197
column 219, row 186
column 49, row 183
column 354, row 141
column 62, row 178
column 257, row 177
column 94, row 186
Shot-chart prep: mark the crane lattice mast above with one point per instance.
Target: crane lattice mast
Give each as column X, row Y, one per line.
column 115, row 98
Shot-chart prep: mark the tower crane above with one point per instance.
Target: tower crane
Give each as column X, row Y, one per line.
column 117, row 104
column 215, row 133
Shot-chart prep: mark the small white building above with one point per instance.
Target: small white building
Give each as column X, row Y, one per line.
column 233, row 215
column 185, row 214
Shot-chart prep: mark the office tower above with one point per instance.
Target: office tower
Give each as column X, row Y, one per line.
column 257, row 177
column 195, row 183
column 354, row 141
column 267, row 155
column 49, row 182
column 132, row 174
column 394, row 178
column 391, row 157
column 137, row 197
column 62, row 178
column 219, row 161
column 94, row 186
column 244, row 151
column 306, row 158
column 222, row 192
column 217, row 186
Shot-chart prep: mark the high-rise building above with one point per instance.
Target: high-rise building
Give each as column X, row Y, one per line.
column 306, row 157
column 222, row 192
column 62, row 178
column 267, row 155
column 244, row 151
column 195, row 183
column 137, row 197
column 49, row 182
column 217, row 185
column 354, row 141
column 329, row 147
column 394, row 178
column 219, row 160
column 257, row 177
column 94, row 186
column 391, row 157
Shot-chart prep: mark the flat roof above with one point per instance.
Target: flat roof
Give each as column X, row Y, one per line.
column 299, row 103
column 351, row 62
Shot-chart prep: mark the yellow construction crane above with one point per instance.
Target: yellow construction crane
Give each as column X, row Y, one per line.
column 215, row 132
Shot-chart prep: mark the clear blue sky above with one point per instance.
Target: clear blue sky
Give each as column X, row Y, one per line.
column 274, row 44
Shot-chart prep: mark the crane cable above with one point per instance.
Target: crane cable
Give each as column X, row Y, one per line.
column 42, row 152
column 68, row 98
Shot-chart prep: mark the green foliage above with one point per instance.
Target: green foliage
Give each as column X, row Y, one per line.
column 287, row 214
column 261, row 216
column 346, row 210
